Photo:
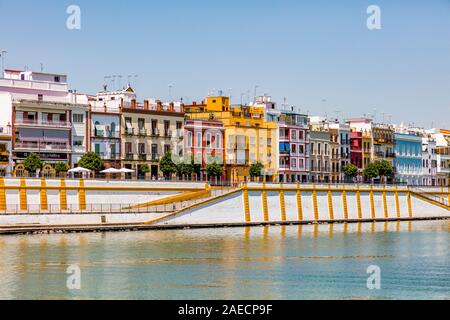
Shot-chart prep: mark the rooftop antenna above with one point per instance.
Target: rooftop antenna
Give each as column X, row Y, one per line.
column 42, row 67
column 3, row 54
column 114, row 82
column 254, row 97
column 120, row 81
column 242, row 95
column 337, row 114
column 284, row 103
column 170, row 91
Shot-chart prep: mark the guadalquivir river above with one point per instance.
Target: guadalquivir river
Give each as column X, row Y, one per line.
column 276, row 262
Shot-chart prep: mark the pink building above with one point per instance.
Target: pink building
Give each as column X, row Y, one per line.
column 293, row 147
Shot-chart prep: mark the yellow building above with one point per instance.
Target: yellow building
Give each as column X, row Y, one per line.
column 248, row 137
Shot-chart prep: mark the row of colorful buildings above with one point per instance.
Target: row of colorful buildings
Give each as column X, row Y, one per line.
column 40, row 114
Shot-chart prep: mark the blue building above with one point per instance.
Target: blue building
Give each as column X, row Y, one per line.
column 408, row 159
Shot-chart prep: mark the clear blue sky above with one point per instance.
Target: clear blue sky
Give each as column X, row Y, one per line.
column 317, row 54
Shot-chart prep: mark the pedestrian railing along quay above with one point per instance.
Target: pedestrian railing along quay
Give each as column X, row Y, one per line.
column 436, row 197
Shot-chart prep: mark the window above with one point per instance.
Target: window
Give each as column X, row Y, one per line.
column 293, row 148
column 198, row 140
column 40, row 97
column 77, row 118
column 166, row 127
column 141, row 123
column 154, row 126
column 97, row 148
column 166, row 148
column 294, row 134
column 208, row 140
column 78, row 142
column 128, row 148
column 218, row 140
column 189, row 139
column 141, row 148
column 300, row 149
column 179, row 125
column 57, row 79
column 294, row 163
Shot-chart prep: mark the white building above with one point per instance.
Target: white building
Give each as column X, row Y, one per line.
column 41, row 108
column 429, row 161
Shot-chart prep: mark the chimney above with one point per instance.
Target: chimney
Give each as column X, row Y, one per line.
column 158, row 105
column 133, row 103
column 194, row 103
column 182, row 107
column 145, row 104
column 171, row 107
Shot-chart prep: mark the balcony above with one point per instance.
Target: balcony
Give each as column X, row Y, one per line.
column 142, row 132
column 105, row 134
column 43, row 123
column 142, row 157
column 129, row 156
column 154, row 132
column 43, row 146
column 129, row 131
column 444, row 152
column 109, row 156
column 155, row 157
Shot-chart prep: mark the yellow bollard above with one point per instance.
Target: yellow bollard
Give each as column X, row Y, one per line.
column 409, row 205
column 23, row 195
column 397, row 202
column 386, row 212
column 264, row 203
column 299, row 203
column 344, row 203
column 282, row 203
column 43, row 195
column 246, row 203
column 330, row 204
column 358, row 202
column 2, row 194
column 372, row 203
column 63, row 195
column 82, row 196
column 316, row 208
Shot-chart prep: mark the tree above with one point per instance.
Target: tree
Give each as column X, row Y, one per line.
column 371, row 171
column 166, row 165
column 350, row 170
column 384, row 168
column 144, row 168
column 256, row 169
column 61, row 167
column 214, row 169
column 185, row 169
column 91, row 161
column 33, row 162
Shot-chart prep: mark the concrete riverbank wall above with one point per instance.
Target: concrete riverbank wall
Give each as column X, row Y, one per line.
column 284, row 203
column 82, row 203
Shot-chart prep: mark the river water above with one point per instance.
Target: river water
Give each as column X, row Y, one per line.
column 276, row 262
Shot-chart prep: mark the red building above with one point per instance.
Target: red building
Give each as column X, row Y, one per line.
column 356, row 154
column 204, row 139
